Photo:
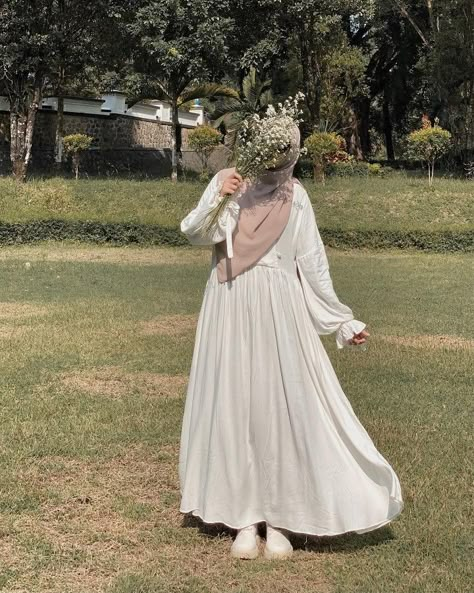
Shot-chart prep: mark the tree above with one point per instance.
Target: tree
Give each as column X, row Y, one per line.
column 428, row 144
column 449, row 73
column 84, row 39
column 44, row 47
column 75, row 145
column 204, row 139
column 254, row 97
column 391, row 50
column 316, row 23
column 264, row 37
column 25, row 44
column 178, row 45
column 343, row 84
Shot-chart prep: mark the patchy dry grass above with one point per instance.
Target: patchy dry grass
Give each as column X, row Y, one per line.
column 56, row 251
column 114, row 382
column 430, row 342
column 170, row 325
column 97, row 519
column 12, row 311
column 95, row 350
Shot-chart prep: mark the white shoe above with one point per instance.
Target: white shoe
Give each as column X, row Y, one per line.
column 278, row 546
column 245, row 545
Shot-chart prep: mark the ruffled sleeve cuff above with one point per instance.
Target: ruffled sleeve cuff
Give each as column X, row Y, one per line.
column 346, row 332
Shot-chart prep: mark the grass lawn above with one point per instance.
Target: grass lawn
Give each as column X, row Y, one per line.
column 96, row 344
column 399, row 201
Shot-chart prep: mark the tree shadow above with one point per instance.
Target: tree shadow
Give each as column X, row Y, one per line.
column 210, row 530
column 345, row 543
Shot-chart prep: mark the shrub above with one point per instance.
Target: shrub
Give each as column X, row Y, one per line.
column 204, row 140
column 347, row 169
column 356, row 168
column 469, row 169
column 75, row 144
column 90, row 231
column 374, row 169
column 304, row 168
column 325, row 148
column 428, row 144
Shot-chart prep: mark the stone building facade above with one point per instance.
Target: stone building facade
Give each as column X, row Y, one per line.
column 124, row 140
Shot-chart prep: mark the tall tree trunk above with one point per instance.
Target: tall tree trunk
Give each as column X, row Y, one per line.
column 179, row 148
column 387, row 126
column 76, row 159
column 58, row 143
column 174, row 140
column 22, row 123
column 354, row 146
column 318, row 171
column 363, row 110
column 311, row 72
column 429, row 6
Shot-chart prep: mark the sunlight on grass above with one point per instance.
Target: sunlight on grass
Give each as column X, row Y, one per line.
column 399, row 201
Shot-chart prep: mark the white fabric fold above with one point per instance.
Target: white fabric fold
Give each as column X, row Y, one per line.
column 328, row 314
column 268, row 433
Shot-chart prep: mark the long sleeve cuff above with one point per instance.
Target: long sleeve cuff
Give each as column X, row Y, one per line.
column 346, row 332
column 191, row 225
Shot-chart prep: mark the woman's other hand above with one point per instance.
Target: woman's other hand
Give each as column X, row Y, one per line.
column 360, row 338
column 231, row 184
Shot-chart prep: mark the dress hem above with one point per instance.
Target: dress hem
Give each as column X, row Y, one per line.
column 360, row 530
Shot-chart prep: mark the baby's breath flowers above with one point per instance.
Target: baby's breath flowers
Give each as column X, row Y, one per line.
column 263, row 143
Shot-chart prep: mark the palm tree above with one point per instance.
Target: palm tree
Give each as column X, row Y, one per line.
column 254, row 97
column 177, row 97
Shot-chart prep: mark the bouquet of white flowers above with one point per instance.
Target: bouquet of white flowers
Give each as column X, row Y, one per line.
column 262, row 144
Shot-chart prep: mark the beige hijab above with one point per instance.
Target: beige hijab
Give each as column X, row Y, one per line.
column 265, row 207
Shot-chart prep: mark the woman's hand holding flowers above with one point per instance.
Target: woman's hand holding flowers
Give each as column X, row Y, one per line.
column 231, row 184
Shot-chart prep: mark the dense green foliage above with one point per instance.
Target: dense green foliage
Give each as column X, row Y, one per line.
column 76, row 143
column 175, row 48
column 369, row 70
column 50, row 47
column 229, row 113
column 147, row 234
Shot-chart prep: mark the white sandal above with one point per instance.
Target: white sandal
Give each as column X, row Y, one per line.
column 245, row 545
column 278, row 546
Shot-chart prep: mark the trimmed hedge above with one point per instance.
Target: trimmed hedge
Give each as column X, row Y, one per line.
column 399, row 239
column 95, row 232
column 154, row 234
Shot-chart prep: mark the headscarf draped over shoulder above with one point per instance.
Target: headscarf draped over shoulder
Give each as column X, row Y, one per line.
column 265, row 207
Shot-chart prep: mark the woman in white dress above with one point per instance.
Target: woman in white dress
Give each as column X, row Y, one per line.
column 268, row 435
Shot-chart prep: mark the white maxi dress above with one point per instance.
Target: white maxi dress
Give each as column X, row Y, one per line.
column 267, row 432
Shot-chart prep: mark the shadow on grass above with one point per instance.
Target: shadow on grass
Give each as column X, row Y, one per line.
column 346, row 543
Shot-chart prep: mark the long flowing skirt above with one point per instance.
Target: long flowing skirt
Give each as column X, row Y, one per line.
column 268, row 434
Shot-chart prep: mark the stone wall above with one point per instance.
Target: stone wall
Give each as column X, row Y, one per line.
column 121, row 143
